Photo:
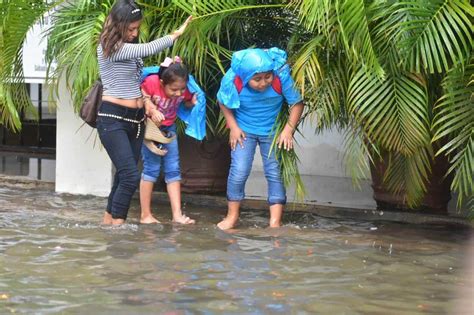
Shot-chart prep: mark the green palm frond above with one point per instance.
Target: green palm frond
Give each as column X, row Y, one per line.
column 72, row 44
column 408, row 175
column 386, row 23
column 205, row 8
column 358, row 153
column 325, row 102
column 392, row 112
column 437, row 35
column 288, row 159
column 315, row 15
column 307, row 68
column 454, row 123
column 470, row 208
column 17, row 20
column 354, row 19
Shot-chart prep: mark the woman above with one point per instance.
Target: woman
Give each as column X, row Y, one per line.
column 121, row 114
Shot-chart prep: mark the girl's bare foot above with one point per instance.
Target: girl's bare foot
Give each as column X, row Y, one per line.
column 107, row 220
column 184, row 220
column 149, row 220
column 227, row 223
column 275, row 224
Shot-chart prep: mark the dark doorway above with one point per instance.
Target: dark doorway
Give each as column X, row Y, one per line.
column 37, row 137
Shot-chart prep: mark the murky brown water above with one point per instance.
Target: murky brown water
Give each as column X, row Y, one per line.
column 56, row 258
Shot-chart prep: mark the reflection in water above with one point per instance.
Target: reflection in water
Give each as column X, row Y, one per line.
column 55, row 257
column 34, row 168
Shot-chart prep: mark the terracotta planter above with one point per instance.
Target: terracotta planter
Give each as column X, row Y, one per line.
column 438, row 191
column 204, row 165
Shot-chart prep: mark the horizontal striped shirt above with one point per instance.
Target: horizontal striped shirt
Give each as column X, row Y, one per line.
column 120, row 73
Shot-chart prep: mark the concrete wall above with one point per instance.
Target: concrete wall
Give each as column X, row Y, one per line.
column 323, row 173
column 82, row 165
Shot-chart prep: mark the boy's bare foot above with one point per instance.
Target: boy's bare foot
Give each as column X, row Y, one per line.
column 149, row 220
column 184, row 220
column 227, row 223
column 107, row 220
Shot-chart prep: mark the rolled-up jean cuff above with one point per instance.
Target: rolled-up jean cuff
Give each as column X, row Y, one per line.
column 234, row 199
column 172, row 180
column 277, row 202
column 123, row 217
column 148, row 178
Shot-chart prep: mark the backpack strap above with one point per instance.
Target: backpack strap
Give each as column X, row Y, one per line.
column 238, row 84
column 276, row 84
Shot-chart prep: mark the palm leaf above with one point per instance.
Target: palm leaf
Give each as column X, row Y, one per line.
column 454, row 124
column 325, row 102
column 18, row 17
column 358, row 153
column 408, row 175
column 437, row 35
column 72, row 43
column 288, row 159
column 392, row 112
column 354, row 19
column 316, row 15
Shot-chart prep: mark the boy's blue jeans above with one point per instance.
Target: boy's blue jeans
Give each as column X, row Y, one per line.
column 241, row 165
column 152, row 162
column 119, row 139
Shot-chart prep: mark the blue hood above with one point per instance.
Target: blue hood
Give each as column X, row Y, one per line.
column 245, row 64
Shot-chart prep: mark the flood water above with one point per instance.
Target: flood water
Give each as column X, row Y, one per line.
column 55, row 257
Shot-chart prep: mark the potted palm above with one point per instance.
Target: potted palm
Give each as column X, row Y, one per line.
column 398, row 77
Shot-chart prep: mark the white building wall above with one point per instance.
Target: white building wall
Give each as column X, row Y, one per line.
column 82, row 165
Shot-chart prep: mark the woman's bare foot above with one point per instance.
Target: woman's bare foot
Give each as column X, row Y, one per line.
column 107, row 220
column 149, row 220
column 118, row 221
column 227, row 223
column 184, row 220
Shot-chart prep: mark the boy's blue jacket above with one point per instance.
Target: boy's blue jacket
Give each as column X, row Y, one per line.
column 246, row 63
column 194, row 117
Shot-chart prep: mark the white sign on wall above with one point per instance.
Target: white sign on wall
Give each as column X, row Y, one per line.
column 34, row 53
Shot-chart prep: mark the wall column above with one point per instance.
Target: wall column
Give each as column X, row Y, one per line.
column 82, row 164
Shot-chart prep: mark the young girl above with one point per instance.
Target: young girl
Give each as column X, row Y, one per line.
column 120, row 117
column 164, row 93
column 251, row 96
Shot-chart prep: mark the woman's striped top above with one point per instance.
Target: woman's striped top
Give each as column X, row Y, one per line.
column 120, row 73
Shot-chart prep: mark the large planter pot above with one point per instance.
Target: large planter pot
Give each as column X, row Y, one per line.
column 435, row 200
column 204, row 165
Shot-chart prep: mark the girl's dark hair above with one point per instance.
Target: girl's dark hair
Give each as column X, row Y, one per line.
column 173, row 73
column 115, row 28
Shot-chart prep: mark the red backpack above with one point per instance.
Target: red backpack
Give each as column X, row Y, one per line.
column 276, row 84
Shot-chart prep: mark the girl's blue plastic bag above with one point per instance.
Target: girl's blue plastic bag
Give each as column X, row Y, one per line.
column 194, row 117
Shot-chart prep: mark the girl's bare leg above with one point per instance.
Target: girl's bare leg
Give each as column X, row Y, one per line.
column 174, row 193
column 146, row 190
